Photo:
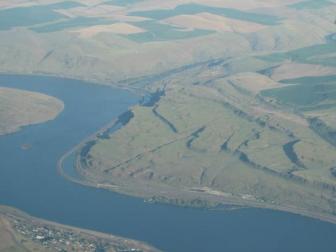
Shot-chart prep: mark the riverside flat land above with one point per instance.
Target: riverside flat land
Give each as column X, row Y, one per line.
column 242, row 105
column 20, row 108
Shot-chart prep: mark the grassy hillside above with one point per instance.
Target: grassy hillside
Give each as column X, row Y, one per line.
column 219, row 133
column 110, row 41
column 248, row 129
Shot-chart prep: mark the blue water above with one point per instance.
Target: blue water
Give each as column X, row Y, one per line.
column 30, row 182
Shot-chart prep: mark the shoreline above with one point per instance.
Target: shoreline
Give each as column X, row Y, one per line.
column 87, row 81
column 12, row 214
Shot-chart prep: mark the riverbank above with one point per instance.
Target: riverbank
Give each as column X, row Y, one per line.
column 95, row 81
column 32, row 234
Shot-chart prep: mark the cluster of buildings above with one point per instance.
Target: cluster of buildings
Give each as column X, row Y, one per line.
column 62, row 239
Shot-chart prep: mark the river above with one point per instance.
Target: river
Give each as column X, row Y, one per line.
column 29, row 181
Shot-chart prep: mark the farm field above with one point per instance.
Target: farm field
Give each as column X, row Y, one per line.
column 114, row 42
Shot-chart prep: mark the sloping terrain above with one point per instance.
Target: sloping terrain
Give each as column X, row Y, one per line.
column 223, row 134
column 255, row 129
column 110, row 41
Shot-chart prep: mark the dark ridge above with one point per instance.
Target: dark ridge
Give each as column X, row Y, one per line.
column 244, row 115
column 202, row 176
column 122, row 120
column 268, row 71
column 333, row 171
column 331, row 38
column 261, row 122
column 84, row 153
column 150, row 175
column 105, row 134
column 324, row 131
column 257, row 135
column 215, row 63
column 224, row 146
column 47, row 55
column 244, row 158
column 87, row 147
column 153, row 98
column 146, row 80
column 194, row 135
column 288, row 175
column 288, row 148
column 125, row 118
column 239, row 89
column 164, row 120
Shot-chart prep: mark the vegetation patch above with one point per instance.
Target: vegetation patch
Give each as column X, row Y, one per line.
column 163, row 32
column 311, row 4
column 190, row 9
column 317, row 90
column 33, row 15
column 71, row 23
column 122, row 2
column 316, row 54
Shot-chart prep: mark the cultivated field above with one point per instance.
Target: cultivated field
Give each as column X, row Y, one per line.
column 110, row 41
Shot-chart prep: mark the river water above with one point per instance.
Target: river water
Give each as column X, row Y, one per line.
column 29, row 181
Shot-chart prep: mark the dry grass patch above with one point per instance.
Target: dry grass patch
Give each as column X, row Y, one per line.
column 241, row 5
column 253, row 82
column 118, row 28
column 4, row 4
column 247, row 4
column 7, row 241
column 213, row 22
column 290, row 70
column 95, row 11
column 19, row 108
